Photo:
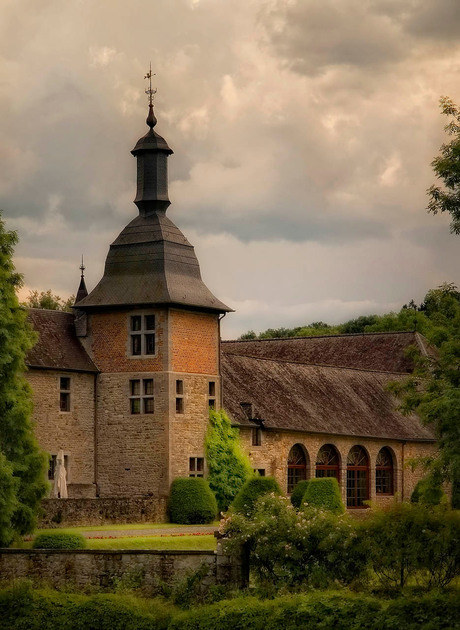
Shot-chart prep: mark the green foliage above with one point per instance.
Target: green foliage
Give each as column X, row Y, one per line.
column 59, row 540
column 427, row 491
column 46, row 299
column 254, row 488
column 191, row 501
column 23, row 608
column 446, row 167
column 290, row 548
column 18, row 446
column 324, row 493
column 228, row 466
column 8, row 500
column 411, row 540
column 341, row 611
column 298, row 492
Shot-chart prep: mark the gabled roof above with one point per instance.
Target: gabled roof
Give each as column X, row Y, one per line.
column 318, row 399
column 57, row 347
column 383, row 352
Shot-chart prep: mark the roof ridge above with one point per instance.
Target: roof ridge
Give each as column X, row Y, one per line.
column 50, row 310
column 363, row 334
column 322, row 365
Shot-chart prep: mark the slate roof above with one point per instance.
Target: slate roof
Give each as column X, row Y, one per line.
column 384, row 352
column 57, row 347
column 151, row 262
column 318, row 399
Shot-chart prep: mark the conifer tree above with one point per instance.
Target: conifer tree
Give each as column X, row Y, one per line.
column 22, row 464
column 228, row 466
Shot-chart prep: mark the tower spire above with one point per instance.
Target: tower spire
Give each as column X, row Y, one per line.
column 82, row 290
column 151, row 120
column 151, row 152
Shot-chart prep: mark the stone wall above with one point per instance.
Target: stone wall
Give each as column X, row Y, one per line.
column 104, row 568
column 272, row 456
column 72, row 431
column 74, row 512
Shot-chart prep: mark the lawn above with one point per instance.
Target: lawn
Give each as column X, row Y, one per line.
column 119, row 527
column 205, row 542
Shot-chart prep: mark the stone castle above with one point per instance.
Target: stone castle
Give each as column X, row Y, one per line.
column 124, row 384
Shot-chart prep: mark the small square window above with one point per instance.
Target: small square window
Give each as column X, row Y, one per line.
column 136, row 322
column 179, row 387
column 179, row 405
column 135, row 387
column 141, row 398
column 64, row 383
column 212, row 388
column 196, row 467
column 261, row 472
column 212, row 403
column 150, row 322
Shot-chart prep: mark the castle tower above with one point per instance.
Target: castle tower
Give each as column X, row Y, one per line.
column 151, row 327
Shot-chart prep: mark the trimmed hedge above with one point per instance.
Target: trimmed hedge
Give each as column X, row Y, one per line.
column 324, row 492
column 325, row 610
column 297, row 493
column 59, row 540
column 254, row 488
column 191, row 501
column 24, row 608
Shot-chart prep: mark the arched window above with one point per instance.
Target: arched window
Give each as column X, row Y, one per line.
column 357, row 477
column 327, row 462
column 297, row 466
column 384, row 477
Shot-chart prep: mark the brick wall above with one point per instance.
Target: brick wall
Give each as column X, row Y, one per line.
column 194, row 342
column 108, row 342
column 273, row 453
column 72, row 431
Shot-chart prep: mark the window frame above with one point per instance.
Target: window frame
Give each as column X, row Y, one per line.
column 195, row 471
column 327, row 468
column 302, row 475
column 65, row 393
column 388, row 468
column 143, row 333
column 353, row 500
column 141, row 396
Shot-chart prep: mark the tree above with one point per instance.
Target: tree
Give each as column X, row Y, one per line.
column 228, row 466
column 22, row 464
column 46, row 299
column 447, row 168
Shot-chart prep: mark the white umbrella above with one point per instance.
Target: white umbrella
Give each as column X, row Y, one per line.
column 60, row 477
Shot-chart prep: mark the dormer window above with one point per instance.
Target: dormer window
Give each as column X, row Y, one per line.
column 142, row 335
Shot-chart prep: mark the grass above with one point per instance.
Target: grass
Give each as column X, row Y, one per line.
column 119, row 527
column 159, row 543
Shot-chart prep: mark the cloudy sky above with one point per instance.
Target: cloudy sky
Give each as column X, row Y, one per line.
column 302, row 130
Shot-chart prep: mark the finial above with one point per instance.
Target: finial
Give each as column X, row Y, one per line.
column 82, row 267
column 151, row 120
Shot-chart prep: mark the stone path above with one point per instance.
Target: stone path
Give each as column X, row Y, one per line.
column 154, row 531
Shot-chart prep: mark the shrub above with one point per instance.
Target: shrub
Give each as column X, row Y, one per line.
column 414, row 540
column 324, row 493
column 427, row 491
column 253, row 489
column 297, row 493
column 228, row 466
column 191, row 501
column 290, row 548
column 59, row 540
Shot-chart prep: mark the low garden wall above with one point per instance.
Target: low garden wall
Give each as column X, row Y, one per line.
column 104, row 568
column 75, row 512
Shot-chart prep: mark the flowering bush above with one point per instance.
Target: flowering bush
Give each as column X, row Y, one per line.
column 312, row 546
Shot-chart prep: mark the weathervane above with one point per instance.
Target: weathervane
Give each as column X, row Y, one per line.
column 82, row 267
column 150, row 91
